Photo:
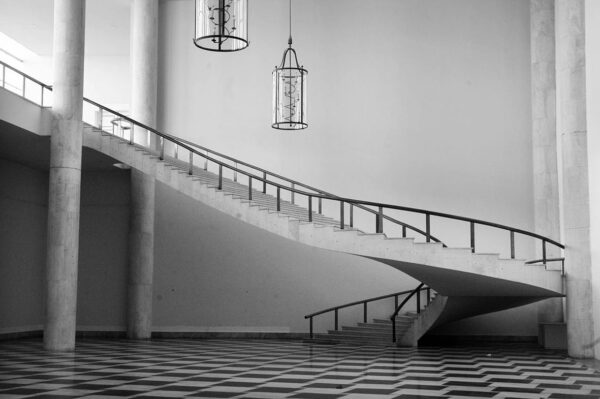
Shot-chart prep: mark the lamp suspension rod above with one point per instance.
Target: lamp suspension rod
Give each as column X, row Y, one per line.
column 290, row 25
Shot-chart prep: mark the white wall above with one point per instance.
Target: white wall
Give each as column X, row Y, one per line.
column 593, row 119
column 419, row 103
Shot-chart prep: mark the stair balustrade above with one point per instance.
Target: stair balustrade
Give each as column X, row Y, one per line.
column 364, row 302
column 96, row 114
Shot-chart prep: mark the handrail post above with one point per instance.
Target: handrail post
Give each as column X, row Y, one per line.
column 191, row 170
column 512, row 244
column 24, row 84
column 428, row 295
column 365, row 311
column 428, row 227
column 162, row 148
column 342, row 215
column 393, row 328
column 472, row 237
column 403, row 231
column 544, row 252
column 311, row 327
column 100, row 112
column 130, row 135
column 235, row 172
column 206, row 162
column 220, row 177
column 42, row 99
column 4, row 76
column 320, row 206
column 293, row 197
column 418, row 301
column 278, row 198
column 380, row 220
column 250, row 188
column 310, row 208
column 351, row 215
column 336, row 319
column 264, row 182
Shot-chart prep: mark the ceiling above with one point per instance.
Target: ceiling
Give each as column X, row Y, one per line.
column 30, row 23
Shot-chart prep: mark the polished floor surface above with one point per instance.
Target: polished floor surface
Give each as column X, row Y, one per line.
column 287, row 369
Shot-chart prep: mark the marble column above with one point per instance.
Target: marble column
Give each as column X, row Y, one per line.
column 144, row 64
column 571, row 90
column 65, row 175
column 545, row 169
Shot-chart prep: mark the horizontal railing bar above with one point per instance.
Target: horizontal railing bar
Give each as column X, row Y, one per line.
column 360, row 302
column 531, row 262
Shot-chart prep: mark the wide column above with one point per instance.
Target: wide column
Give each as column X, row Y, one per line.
column 545, row 170
column 571, row 90
column 144, row 63
column 65, row 175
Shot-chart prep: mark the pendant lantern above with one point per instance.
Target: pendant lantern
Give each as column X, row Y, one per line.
column 289, row 90
column 221, row 25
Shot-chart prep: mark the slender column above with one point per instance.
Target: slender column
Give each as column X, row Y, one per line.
column 571, row 89
column 144, row 42
column 65, row 175
column 545, row 170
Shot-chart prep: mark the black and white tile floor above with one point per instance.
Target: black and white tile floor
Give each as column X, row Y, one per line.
column 287, row 369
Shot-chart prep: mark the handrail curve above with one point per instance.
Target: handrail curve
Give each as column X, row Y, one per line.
column 364, row 302
column 313, row 193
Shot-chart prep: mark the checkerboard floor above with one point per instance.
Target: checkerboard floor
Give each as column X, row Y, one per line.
column 261, row 369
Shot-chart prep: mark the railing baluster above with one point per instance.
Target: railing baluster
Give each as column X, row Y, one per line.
column 365, row 312
column 130, row 136
column 42, row 99
column 100, row 114
column 264, row 182
column 419, row 301
column 310, row 208
column 162, row 149
column 293, row 196
column 3, row 76
column 342, row 215
column 24, row 83
column 220, row 177
column 191, row 170
column 250, row 188
column 336, row 319
column 206, row 162
column 380, row 220
column 428, row 295
column 235, row 172
column 544, row 252
column 278, row 199
column 512, row 244
column 403, row 231
column 472, row 237
column 176, row 151
column 428, row 227
column 320, row 206
column 311, row 327
column 351, row 215
column 394, row 329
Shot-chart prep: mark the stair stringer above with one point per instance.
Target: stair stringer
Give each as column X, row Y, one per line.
column 423, row 323
column 375, row 246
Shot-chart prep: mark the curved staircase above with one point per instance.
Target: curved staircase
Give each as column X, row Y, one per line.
column 468, row 283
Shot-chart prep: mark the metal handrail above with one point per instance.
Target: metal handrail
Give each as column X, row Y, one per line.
column 416, row 291
column 364, row 302
column 316, row 193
